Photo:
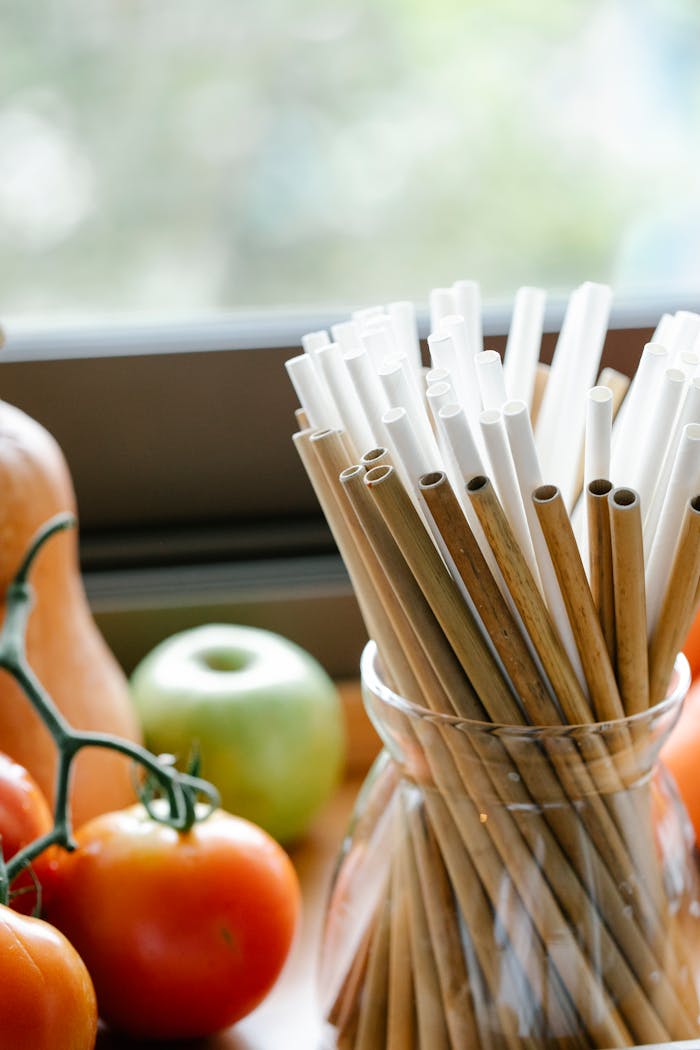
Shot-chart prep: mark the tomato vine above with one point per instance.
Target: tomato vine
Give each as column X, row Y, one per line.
column 180, row 789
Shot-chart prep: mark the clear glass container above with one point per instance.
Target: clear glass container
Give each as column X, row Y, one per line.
column 512, row 886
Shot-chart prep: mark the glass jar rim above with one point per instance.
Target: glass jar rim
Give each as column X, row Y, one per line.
column 371, row 677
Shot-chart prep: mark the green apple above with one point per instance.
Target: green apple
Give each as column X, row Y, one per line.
column 265, row 715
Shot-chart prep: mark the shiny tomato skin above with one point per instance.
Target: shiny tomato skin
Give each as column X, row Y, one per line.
column 182, row 933
column 47, row 1001
column 24, row 816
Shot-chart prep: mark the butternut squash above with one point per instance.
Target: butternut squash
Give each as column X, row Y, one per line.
column 64, row 646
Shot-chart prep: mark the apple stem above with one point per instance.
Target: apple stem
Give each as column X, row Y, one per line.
column 180, row 789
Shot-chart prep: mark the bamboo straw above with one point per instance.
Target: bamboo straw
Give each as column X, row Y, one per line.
column 372, row 1022
column 630, row 599
column 618, row 383
column 678, row 603
column 600, row 558
column 561, row 869
column 441, row 592
column 510, row 975
column 541, row 378
column 301, row 419
column 373, row 612
column 506, row 844
column 425, row 952
column 401, row 1019
column 445, row 934
column 499, row 623
column 576, row 710
column 579, row 603
column 343, row 1014
column 433, row 663
column 528, row 601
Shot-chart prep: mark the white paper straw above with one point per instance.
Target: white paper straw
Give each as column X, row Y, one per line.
column 663, row 330
column 443, row 352
column 370, row 393
column 516, row 417
column 439, row 375
column 347, row 334
column 379, row 342
column 408, row 448
column 524, row 343
column 314, row 397
column 403, row 316
column 397, row 379
column 629, row 425
column 645, row 467
column 505, row 481
column 684, row 483
column 465, row 380
column 489, row 374
column 438, row 396
column 598, row 434
column 460, row 438
column 313, row 340
column 352, row 416
column 689, row 412
column 468, row 304
column 689, row 363
column 462, row 463
column 442, row 302
column 683, row 333
column 575, row 365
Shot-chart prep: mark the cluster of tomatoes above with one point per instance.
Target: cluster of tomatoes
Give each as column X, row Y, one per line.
column 164, row 934
column 681, row 753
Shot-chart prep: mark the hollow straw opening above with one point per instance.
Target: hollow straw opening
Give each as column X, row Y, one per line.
column 623, row 497
column 351, row 472
column 477, row 483
column 377, row 474
column 371, row 676
column 545, row 493
column 600, row 487
column 374, row 454
column 695, row 503
column 429, row 481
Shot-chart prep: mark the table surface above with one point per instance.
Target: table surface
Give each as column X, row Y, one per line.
column 288, row 1018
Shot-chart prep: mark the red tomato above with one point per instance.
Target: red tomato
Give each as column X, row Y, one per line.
column 24, row 816
column 691, row 647
column 681, row 755
column 47, row 1001
column 183, row 933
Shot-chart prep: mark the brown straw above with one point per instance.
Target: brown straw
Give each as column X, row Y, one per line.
column 430, row 1009
column 528, row 601
column 630, row 600
column 445, row 932
column 541, row 378
column 302, row 420
column 618, row 383
column 678, row 605
column 401, row 1019
column 563, row 550
column 442, row 681
column 498, row 620
column 443, row 596
column 600, row 559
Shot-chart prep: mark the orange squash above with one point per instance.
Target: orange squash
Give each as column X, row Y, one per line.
column 64, row 646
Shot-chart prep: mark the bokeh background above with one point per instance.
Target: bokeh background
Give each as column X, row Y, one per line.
column 184, row 156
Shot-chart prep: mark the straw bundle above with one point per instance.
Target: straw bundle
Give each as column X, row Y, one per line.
column 516, row 896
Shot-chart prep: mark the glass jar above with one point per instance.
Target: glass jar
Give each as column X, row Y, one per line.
column 512, row 886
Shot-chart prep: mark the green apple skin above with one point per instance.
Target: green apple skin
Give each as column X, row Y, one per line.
column 265, row 715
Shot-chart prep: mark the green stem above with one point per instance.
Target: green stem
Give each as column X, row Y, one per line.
column 180, row 789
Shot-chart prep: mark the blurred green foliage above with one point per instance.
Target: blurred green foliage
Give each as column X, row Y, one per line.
column 208, row 154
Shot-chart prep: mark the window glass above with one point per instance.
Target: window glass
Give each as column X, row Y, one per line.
column 207, row 154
